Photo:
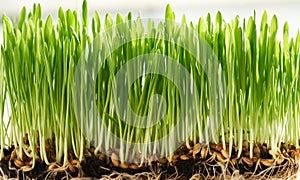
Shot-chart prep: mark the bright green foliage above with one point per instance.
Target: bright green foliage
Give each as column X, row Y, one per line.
column 3, row 126
column 38, row 61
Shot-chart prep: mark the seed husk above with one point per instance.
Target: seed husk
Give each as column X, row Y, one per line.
column 256, row 151
column 220, row 157
column 204, row 152
column 219, row 146
column 13, row 155
column 163, row 160
column 196, row 149
column 125, row 165
column 19, row 163
column 26, row 168
column 248, row 161
column 133, row 166
column 175, row 158
column 233, row 161
column 114, row 160
column 267, row 162
column 225, row 153
column 184, row 157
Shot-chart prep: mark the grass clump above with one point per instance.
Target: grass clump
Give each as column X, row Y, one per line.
column 39, row 63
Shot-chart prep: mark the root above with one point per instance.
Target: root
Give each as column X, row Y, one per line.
column 121, row 176
column 59, row 169
column 200, row 162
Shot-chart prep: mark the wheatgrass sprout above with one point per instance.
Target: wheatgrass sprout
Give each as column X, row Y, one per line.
column 133, row 114
column 62, row 84
column 38, row 61
column 3, row 126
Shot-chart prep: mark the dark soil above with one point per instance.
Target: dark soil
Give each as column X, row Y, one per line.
column 185, row 163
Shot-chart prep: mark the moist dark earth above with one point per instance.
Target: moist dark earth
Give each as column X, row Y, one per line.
column 184, row 164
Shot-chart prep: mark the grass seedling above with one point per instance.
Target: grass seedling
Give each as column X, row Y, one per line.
column 38, row 64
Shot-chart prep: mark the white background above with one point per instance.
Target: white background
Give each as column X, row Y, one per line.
column 193, row 9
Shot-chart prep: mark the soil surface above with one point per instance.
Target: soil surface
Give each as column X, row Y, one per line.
column 208, row 161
